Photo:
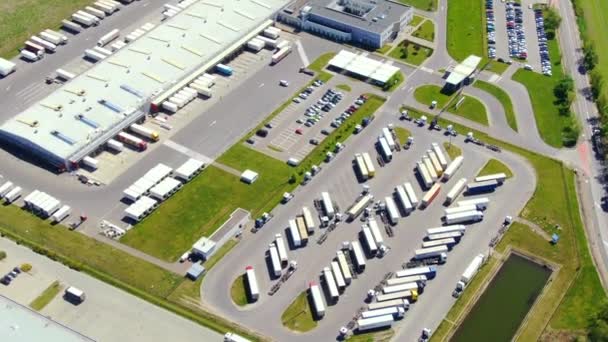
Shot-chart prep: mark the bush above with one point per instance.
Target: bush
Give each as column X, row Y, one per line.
column 552, row 19
column 2, row 255
column 26, row 267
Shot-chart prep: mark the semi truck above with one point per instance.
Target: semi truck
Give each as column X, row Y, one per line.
column 406, row 205
column 388, row 136
column 447, row 229
column 6, row 67
column 223, row 70
column 397, row 312
column 358, row 207
column 282, row 53
column 468, row 274
column 295, row 234
column 399, row 303
column 330, row 283
column 401, row 287
column 404, row 280
column 410, row 295
column 430, row 195
column 430, row 168
column 310, row 223
column 252, row 284
column 428, row 271
column 95, row 12
column 365, row 324
column 132, row 140
column 274, row 260
column 439, row 252
column 363, row 173
column 328, row 206
column 144, row 132
column 48, row 46
column 369, row 165
column 340, row 281
column 357, row 256
column 281, row 249
column 481, row 187
column 440, row 156
column 269, row 42
column 34, row 48
column 302, row 229
column 452, row 168
column 409, row 190
column 391, row 210
column 462, row 217
column 370, row 243
column 481, row 203
column 341, row 258
column 375, row 230
column 455, row 191
column 385, row 149
column 317, row 300
column 498, row 177
column 425, row 177
column 108, row 37
column 74, row 294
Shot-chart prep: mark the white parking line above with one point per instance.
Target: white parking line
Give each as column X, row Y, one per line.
column 184, row 150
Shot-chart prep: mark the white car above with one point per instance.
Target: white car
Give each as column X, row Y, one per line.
column 284, row 83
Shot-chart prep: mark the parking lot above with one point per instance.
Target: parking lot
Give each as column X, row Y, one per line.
column 107, row 314
column 339, row 179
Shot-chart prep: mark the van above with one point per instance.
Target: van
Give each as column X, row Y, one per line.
column 528, row 67
column 293, row 162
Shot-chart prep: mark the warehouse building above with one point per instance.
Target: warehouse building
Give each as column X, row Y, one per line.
column 366, row 23
column 78, row 118
column 362, row 67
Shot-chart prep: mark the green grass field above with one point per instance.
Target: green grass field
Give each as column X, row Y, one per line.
column 452, row 150
column 344, row 87
column 416, row 20
column 595, row 19
column 46, row 296
column 577, row 276
column 540, row 88
column 465, row 37
column 382, row 335
column 23, row 18
column 496, row 67
column 503, row 98
column 384, row 49
column 319, row 64
column 426, row 31
column 238, row 292
column 425, row 5
column 495, row 166
column 298, row 315
column 471, row 108
column 207, row 202
column 402, row 134
column 411, row 53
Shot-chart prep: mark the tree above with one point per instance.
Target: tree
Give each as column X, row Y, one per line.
column 564, row 91
column 552, row 19
column 590, row 58
column 2, row 255
column 598, row 328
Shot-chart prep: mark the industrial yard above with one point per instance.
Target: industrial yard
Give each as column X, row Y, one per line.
column 262, row 158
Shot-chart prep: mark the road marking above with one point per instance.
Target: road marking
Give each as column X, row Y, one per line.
column 184, row 150
column 302, row 53
column 8, row 88
column 213, row 123
column 425, row 69
column 494, row 78
column 145, row 5
column 261, row 85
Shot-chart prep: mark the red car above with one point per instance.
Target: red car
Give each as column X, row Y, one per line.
column 299, row 131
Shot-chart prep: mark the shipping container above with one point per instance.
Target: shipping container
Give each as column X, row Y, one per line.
column 61, row 214
column 279, row 55
column 385, row 150
column 430, row 168
column 428, row 271
column 335, row 270
column 449, row 242
column 391, row 210
column 357, row 208
column 317, row 300
column 447, row 229
column 404, row 280
column 409, row 190
column 132, row 140
column 425, row 253
column 388, row 136
column 302, row 229
column 498, row 177
column 328, row 206
column 330, row 283
column 481, row 187
column 365, row 324
column 274, row 260
column 465, row 216
column 295, row 234
column 369, row 165
column 397, row 312
column 430, row 195
column 400, row 303
column 403, row 200
column 370, row 243
column 363, row 173
column 144, row 131
column 357, row 256
column 440, row 156
column 425, row 177
column 454, row 210
column 310, row 223
column 453, row 235
column 452, row 168
column 108, row 37
column 472, row 269
column 344, row 267
column 481, row 203
column 252, row 283
column 456, row 191
column 412, row 295
column 281, row 249
column 375, row 230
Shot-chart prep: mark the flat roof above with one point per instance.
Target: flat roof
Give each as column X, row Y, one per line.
column 463, row 70
column 382, row 14
column 363, row 66
column 133, row 75
column 21, row 324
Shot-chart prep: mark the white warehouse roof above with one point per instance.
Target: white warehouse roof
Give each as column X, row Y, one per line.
column 134, row 75
column 463, row 70
column 363, row 66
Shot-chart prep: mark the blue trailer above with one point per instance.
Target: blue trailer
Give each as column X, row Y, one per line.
column 223, row 69
column 481, row 187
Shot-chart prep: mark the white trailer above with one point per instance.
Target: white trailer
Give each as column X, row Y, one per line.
column 428, row 271
column 452, row 168
column 372, row 248
column 317, row 300
column 406, row 205
column 295, row 233
column 308, row 220
column 348, row 277
column 430, row 195
column 499, row 177
column 48, row 46
column 281, row 249
column 440, row 156
column 397, row 295
column 330, row 283
column 427, row 181
column 274, row 260
column 388, row 135
column 472, row 269
column 357, row 254
column 81, row 19
column 232, row 337
column 455, row 210
column 400, row 288
column 430, row 168
column 115, row 145
column 5, row 188
column 365, row 324
column 102, row 51
column 65, row 75
column 189, row 169
column 256, row 44
column 103, row 7
column 340, row 281
column 359, row 206
column 409, row 190
column 435, row 161
column 94, row 55
column 391, row 210
column 93, row 18
column 62, row 213
column 438, row 242
column 12, row 195
column 369, row 165
column 28, row 55
column 397, row 312
column 279, row 55
column 453, row 235
column 269, row 43
column 462, row 217
column 361, row 166
column 328, row 206
column 375, row 230
column 252, row 283
column 272, row 34
column 94, row 11
column 51, row 38
column 108, row 37
column 405, row 280
column 170, row 106
column 400, row 303
column 425, row 253
column 385, row 149
column 481, row 203
column 144, row 131
column 6, row 67
column 71, row 25
column 456, row 190
column 90, row 162
column 447, row 229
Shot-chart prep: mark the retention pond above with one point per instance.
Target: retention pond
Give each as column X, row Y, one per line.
column 500, row 311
